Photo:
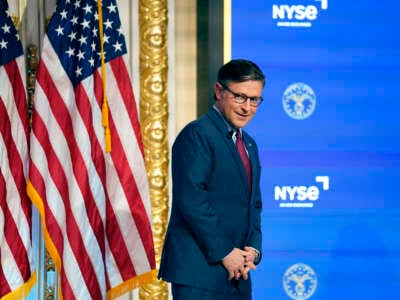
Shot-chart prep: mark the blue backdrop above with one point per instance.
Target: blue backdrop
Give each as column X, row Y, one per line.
column 329, row 139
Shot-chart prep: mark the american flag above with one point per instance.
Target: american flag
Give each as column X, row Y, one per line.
column 94, row 205
column 16, row 268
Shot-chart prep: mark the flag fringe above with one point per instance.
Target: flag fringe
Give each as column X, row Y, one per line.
column 131, row 284
column 38, row 202
column 23, row 291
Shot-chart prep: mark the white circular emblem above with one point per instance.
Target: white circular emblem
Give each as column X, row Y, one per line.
column 299, row 101
column 299, row 281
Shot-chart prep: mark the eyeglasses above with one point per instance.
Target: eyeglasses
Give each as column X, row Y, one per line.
column 241, row 98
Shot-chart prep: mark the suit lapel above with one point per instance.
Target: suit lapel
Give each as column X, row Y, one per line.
column 220, row 124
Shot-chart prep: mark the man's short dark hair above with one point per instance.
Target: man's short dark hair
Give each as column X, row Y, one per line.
column 239, row 70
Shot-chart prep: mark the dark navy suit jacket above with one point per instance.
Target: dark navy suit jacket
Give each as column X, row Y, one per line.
column 212, row 208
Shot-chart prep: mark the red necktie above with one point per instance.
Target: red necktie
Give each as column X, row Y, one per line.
column 243, row 155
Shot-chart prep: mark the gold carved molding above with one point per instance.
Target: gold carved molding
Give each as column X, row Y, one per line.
column 153, row 24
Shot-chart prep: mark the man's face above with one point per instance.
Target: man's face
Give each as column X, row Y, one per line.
column 238, row 115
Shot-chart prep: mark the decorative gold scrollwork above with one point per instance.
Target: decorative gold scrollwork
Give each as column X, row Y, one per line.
column 154, row 123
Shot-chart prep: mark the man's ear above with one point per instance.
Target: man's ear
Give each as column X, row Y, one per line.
column 218, row 91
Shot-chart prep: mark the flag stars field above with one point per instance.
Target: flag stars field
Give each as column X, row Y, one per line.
column 78, row 16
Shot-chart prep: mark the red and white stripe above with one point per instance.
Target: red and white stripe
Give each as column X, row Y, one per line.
column 95, row 206
column 16, row 268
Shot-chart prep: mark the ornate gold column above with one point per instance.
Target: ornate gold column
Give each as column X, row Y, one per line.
column 154, row 122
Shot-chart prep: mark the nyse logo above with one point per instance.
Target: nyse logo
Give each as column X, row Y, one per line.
column 297, row 15
column 301, row 196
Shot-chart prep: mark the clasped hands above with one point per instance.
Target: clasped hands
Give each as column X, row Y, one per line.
column 239, row 262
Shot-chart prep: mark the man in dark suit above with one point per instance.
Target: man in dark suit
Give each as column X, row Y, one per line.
column 214, row 233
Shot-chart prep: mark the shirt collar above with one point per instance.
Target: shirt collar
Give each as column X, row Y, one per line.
column 230, row 128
